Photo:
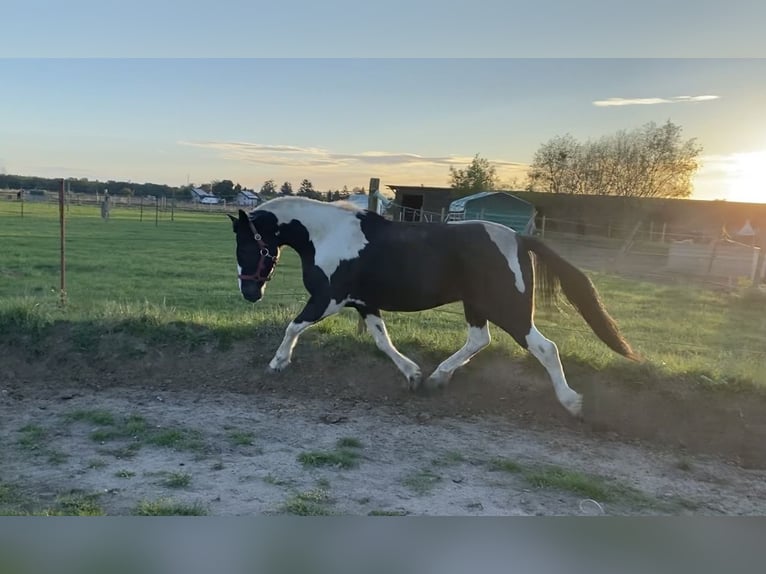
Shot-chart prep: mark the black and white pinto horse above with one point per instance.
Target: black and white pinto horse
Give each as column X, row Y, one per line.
column 354, row 258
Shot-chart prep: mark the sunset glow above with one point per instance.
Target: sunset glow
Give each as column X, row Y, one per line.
column 748, row 178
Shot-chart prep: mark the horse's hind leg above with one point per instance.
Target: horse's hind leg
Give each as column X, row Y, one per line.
column 377, row 328
column 478, row 339
column 545, row 351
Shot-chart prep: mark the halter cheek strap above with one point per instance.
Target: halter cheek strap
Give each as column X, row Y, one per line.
column 265, row 254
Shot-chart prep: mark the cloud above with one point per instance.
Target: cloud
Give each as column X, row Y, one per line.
column 295, row 156
column 652, row 101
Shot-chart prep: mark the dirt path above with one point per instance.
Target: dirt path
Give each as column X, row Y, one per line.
column 232, row 444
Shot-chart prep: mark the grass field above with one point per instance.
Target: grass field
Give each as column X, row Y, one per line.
column 176, row 282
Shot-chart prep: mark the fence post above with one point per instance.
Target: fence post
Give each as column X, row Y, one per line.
column 651, row 231
column 372, row 205
column 141, row 209
column 22, row 203
column 542, row 228
column 156, row 211
column 760, row 262
column 62, row 241
column 664, row 228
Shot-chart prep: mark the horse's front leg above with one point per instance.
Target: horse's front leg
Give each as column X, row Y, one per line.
column 313, row 312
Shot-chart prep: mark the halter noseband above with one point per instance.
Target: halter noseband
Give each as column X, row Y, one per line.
column 265, row 254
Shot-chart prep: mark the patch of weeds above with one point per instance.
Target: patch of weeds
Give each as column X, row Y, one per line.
column 77, row 504
column 57, row 457
column 96, row 417
column 177, row 439
column 422, row 482
column 11, row 500
column 274, row 481
column 387, row 513
column 339, row 458
column 684, row 464
column 505, row 465
column 240, row 437
column 96, row 464
column 177, row 480
column 310, row 503
column 164, row 507
column 123, row 453
column 348, row 442
column 124, row 474
column 589, row 486
column 450, row 458
column 136, row 428
column 32, row 437
column 217, row 466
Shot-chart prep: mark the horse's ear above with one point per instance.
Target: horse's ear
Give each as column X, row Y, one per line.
column 233, row 222
column 243, row 216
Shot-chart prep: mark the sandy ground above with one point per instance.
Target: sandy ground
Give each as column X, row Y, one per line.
column 419, row 455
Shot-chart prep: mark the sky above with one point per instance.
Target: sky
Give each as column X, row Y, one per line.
column 251, row 91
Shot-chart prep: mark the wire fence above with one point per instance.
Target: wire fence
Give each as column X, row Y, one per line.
column 648, row 258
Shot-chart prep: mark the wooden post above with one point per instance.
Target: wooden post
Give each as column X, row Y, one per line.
column 156, row 211
column 442, row 215
column 22, row 203
column 141, row 209
column 651, row 231
column 542, row 228
column 664, row 229
column 761, row 256
column 62, row 241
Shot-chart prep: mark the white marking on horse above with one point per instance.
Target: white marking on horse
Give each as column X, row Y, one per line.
column 285, row 351
column 505, row 240
column 478, row 338
column 377, row 328
column 334, row 230
column 239, row 281
column 545, row 351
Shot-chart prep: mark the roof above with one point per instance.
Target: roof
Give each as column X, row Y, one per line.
column 420, row 189
column 201, row 192
column 250, row 194
column 459, row 204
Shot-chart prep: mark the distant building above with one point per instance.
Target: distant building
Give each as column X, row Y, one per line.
column 248, row 197
column 199, row 195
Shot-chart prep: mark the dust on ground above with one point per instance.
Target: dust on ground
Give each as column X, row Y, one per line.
column 421, row 454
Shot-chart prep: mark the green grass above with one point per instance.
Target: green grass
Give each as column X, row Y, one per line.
column 130, row 289
column 422, row 482
column 310, row 503
column 136, row 429
column 31, row 437
column 342, row 458
column 240, row 438
column 589, row 486
column 349, row 442
column 177, row 480
column 165, row 507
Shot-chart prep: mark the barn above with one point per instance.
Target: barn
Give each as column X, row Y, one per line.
column 420, row 203
column 498, row 206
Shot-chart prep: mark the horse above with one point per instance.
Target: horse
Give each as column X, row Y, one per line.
column 352, row 257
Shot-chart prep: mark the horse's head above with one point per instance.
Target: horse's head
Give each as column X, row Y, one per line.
column 257, row 251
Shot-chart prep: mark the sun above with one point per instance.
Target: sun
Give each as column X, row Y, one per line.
column 748, row 178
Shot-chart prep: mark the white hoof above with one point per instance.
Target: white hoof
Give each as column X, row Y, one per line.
column 414, row 379
column 438, row 379
column 573, row 404
column 277, row 365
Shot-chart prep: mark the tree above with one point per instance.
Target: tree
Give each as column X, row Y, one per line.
column 651, row 161
column 268, row 187
column 286, row 189
column 478, row 176
column 306, row 188
column 224, row 189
